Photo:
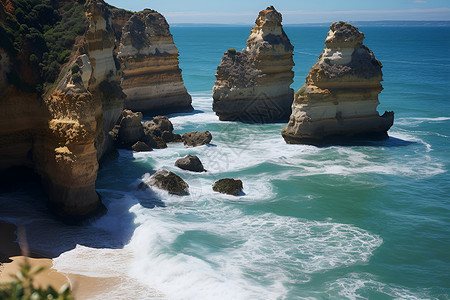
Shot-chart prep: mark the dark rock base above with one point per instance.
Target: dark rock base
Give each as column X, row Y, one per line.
column 254, row 110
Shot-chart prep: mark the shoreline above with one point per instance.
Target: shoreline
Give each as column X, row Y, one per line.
column 12, row 257
column 82, row 287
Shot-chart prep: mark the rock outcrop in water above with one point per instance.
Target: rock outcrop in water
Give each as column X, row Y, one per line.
column 60, row 92
column 228, row 186
column 190, row 163
column 253, row 85
column 196, row 138
column 152, row 78
column 168, row 181
column 340, row 97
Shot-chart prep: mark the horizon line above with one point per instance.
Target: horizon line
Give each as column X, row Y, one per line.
column 446, row 22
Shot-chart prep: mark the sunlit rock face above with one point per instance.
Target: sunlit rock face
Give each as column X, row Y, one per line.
column 152, row 78
column 340, row 98
column 61, row 133
column 253, row 85
column 84, row 106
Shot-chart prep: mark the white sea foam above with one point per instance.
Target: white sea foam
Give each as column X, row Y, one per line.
column 205, row 245
column 243, row 256
column 359, row 285
column 417, row 121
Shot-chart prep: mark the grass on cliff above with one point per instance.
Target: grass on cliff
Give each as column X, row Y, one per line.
column 40, row 37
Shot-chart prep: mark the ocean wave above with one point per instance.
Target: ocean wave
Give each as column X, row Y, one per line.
column 215, row 252
column 365, row 286
column 413, row 121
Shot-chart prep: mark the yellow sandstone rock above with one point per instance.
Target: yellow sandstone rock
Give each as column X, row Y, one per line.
column 340, row 98
column 253, row 85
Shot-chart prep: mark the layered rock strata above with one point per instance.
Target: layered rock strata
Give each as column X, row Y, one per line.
column 84, row 106
column 340, row 98
column 253, row 85
column 60, row 129
column 151, row 78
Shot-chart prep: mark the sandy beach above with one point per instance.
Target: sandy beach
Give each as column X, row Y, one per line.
column 83, row 287
column 11, row 257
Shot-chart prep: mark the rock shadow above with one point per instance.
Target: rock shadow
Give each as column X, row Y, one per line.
column 389, row 142
column 24, row 203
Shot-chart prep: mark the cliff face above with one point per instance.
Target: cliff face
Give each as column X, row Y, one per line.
column 84, row 106
column 253, row 84
column 340, row 97
column 149, row 58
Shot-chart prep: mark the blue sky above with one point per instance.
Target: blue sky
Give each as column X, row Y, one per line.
column 294, row 11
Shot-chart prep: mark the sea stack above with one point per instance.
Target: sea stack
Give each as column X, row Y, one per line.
column 253, row 85
column 148, row 56
column 340, row 98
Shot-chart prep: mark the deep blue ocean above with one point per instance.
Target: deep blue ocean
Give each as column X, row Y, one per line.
column 338, row 222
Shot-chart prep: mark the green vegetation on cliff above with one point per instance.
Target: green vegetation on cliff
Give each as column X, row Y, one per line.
column 39, row 36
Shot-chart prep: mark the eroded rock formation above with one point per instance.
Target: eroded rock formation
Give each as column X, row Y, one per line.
column 166, row 180
column 228, row 186
column 340, row 97
column 60, row 128
column 152, row 78
column 196, row 138
column 253, row 85
column 190, row 163
column 84, row 106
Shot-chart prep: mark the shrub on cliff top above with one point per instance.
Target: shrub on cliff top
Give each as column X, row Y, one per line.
column 232, row 51
column 44, row 30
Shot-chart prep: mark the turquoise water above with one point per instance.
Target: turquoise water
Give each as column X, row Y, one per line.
column 356, row 222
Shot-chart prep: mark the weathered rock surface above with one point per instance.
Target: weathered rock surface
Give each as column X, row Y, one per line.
column 196, row 138
column 190, row 163
column 340, row 97
column 228, row 186
column 159, row 131
column 253, row 85
column 168, row 181
column 129, row 129
column 152, row 78
column 81, row 110
column 141, row 147
column 63, row 132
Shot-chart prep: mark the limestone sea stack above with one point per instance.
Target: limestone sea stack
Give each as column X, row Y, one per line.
column 340, row 98
column 151, row 76
column 253, row 85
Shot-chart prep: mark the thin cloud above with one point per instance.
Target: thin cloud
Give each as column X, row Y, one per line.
column 419, row 1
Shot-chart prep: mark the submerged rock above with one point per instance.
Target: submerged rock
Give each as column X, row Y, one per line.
column 190, row 163
column 196, row 138
column 228, row 186
column 168, row 181
column 340, row 97
column 253, row 85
